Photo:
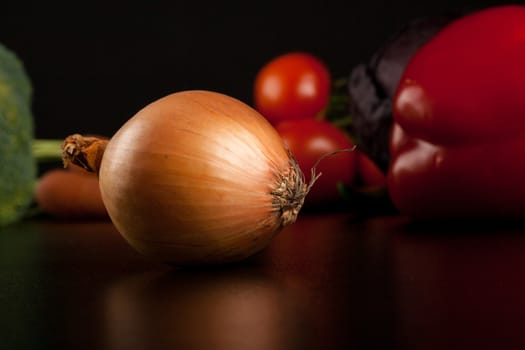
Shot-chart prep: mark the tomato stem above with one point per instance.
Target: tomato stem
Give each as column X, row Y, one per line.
column 343, row 122
column 338, row 109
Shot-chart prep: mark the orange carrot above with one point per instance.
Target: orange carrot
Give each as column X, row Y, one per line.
column 70, row 194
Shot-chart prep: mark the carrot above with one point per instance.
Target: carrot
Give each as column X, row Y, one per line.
column 70, row 194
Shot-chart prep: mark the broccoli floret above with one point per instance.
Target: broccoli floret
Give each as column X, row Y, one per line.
column 18, row 168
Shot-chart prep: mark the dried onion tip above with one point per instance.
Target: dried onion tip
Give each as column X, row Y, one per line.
column 195, row 177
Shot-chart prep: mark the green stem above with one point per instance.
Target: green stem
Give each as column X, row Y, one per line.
column 47, row 150
column 343, row 122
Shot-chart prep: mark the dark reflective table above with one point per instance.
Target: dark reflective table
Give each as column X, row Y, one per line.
column 329, row 281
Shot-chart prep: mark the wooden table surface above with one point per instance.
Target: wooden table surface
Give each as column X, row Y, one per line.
column 329, row 281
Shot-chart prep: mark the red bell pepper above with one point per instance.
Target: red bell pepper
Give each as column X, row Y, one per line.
column 458, row 141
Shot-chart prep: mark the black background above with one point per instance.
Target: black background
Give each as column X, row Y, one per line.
column 93, row 65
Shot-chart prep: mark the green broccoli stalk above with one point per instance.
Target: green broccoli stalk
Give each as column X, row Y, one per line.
column 47, row 150
column 19, row 152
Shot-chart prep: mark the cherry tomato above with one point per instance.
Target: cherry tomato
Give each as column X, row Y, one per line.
column 292, row 86
column 309, row 140
column 370, row 176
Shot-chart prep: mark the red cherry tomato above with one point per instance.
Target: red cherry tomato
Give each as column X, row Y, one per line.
column 292, row 86
column 309, row 140
column 370, row 176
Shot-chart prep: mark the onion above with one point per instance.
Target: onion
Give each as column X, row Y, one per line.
column 195, row 177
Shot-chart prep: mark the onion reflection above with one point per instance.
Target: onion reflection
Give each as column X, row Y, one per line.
column 218, row 309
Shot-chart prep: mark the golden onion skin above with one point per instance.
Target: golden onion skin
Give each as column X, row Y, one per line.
column 199, row 177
